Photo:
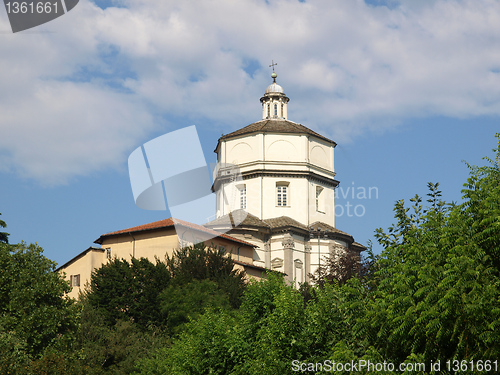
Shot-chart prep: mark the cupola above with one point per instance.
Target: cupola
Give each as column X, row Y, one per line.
column 274, row 102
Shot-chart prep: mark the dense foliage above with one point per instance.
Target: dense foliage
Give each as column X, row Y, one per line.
column 432, row 297
column 128, row 291
column 34, row 313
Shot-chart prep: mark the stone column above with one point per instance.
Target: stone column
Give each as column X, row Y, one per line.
column 307, row 265
column 267, row 252
column 288, row 246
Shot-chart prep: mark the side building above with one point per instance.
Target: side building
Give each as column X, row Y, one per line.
column 154, row 240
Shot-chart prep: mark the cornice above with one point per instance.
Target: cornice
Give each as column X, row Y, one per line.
column 311, row 176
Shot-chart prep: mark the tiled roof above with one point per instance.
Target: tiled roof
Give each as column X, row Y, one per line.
column 168, row 223
column 323, row 226
column 357, row 244
column 239, row 216
column 273, row 223
column 154, row 225
column 280, row 126
column 250, row 265
column 284, row 221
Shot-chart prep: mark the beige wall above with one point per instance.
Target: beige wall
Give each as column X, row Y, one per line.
column 82, row 268
column 148, row 244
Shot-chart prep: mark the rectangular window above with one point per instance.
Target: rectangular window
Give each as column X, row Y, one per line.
column 243, row 196
column 108, row 253
column 319, row 199
column 275, row 110
column 282, row 195
column 74, row 280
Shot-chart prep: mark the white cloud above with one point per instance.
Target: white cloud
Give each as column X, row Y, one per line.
column 77, row 98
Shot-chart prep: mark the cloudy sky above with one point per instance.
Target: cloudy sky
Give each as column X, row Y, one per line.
column 407, row 89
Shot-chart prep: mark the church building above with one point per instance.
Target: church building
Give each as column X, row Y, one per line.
column 280, row 215
column 286, row 197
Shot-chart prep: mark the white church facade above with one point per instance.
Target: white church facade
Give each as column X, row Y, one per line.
column 286, row 198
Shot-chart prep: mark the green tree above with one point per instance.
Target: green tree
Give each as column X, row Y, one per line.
column 180, row 303
column 4, row 237
column 439, row 290
column 200, row 262
column 123, row 290
column 100, row 348
column 34, row 311
column 220, row 341
column 344, row 266
column 208, row 345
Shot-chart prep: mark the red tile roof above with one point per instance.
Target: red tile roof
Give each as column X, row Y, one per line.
column 168, row 223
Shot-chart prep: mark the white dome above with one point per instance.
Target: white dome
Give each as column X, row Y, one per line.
column 274, row 88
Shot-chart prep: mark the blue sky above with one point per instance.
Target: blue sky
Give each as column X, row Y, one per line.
column 407, row 89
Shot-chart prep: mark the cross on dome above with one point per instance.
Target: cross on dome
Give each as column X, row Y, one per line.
column 273, row 74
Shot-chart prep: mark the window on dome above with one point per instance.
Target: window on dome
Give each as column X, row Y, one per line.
column 319, row 199
column 282, row 192
column 268, row 110
column 282, row 113
column 243, row 196
column 275, row 110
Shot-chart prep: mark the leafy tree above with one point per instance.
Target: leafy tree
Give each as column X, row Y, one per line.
column 128, row 291
column 14, row 357
column 4, row 237
column 220, row 341
column 343, row 266
column 34, row 312
column 439, row 289
column 209, row 345
column 101, row 348
column 200, row 262
column 179, row 303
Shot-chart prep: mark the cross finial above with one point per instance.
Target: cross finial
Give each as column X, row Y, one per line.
column 273, row 75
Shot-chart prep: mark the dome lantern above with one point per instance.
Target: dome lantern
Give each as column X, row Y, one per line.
column 274, row 102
